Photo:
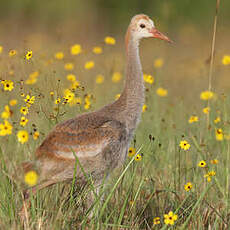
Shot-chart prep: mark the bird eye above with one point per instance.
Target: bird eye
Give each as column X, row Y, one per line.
column 142, row 26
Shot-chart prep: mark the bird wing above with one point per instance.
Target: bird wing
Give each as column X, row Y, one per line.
column 82, row 136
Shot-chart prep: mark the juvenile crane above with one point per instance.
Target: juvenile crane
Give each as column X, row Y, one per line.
column 99, row 139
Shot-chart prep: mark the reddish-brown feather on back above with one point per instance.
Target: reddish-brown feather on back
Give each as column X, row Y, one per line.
column 87, row 142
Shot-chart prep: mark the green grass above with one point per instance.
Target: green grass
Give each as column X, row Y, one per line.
column 139, row 191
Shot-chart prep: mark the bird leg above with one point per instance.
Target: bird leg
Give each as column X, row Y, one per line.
column 24, row 214
column 95, row 199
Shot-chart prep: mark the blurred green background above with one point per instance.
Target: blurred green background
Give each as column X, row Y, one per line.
column 114, row 14
column 54, row 25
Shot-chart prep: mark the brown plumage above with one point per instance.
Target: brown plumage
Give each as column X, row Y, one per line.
column 99, row 139
column 95, row 139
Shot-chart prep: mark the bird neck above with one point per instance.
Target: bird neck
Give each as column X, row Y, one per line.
column 132, row 96
column 128, row 108
column 134, row 85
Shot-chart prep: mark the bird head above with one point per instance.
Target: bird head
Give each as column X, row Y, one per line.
column 141, row 26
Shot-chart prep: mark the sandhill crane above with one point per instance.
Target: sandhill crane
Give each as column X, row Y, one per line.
column 99, row 139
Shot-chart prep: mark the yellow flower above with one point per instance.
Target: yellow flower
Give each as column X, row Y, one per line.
column 206, row 110
column 23, row 121
column 184, row 145
column 58, row 100
column 51, row 93
column 68, row 95
column 23, row 136
column 97, row 50
column 148, row 78
column 34, row 74
column 99, row 79
column 87, row 105
column 158, row 63
column 24, row 110
column 5, row 128
column 212, row 173
column 162, row 92
column 75, row 49
column 206, row 95
column 138, row 157
column 116, row 77
column 59, row 55
column 31, row 178
column 170, row 218
column 117, row 96
column 89, row 64
column 144, row 108
column 188, row 186
column 75, row 85
column 193, row 119
column 69, row 66
column 110, row 40
column 131, row 152
column 29, row 55
column 217, row 120
column 88, row 97
column 208, row 178
column 226, row 60
column 214, row 161
column 156, row 220
column 71, row 77
column 12, row 53
column 6, row 113
column 29, row 100
column 13, row 102
column 8, row 85
column 32, row 79
column 36, row 135
column 209, row 175
column 202, row 164
column 74, row 101
column 1, row 49
column 219, row 135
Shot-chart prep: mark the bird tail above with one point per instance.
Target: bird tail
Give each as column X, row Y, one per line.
column 22, row 169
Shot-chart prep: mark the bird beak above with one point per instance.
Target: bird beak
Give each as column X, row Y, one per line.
column 157, row 34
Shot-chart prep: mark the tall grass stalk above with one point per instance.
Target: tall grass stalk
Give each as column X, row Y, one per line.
column 227, row 182
column 212, row 54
